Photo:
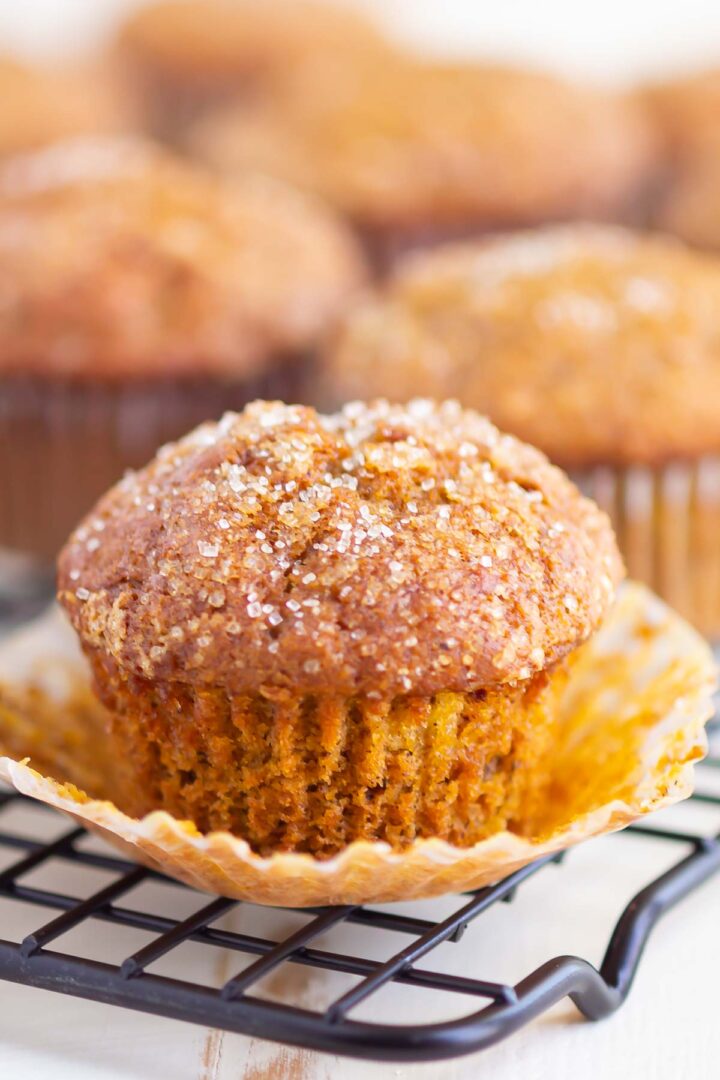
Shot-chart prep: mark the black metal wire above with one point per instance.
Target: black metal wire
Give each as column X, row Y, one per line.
column 596, row 992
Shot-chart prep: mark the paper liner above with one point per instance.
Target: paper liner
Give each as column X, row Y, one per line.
column 631, row 724
column 64, row 441
column 667, row 521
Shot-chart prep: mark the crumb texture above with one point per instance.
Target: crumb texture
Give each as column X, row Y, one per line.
column 594, row 343
column 117, row 259
column 383, row 550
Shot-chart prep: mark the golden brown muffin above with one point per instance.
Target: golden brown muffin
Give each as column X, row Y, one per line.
column 186, row 55
column 313, row 629
column 137, row 296
column 600, row 346
column 414, row 151
column 42, row 105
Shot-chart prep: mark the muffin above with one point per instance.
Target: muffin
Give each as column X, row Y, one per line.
column 601, row 347
column 184, row 56
column 415, row 152
column 313, row 629
column 690, row 207
column 139, row 296
column 41, row 105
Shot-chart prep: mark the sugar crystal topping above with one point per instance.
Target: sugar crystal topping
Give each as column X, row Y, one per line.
column 310, row 552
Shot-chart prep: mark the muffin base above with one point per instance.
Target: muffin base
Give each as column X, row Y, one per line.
column 63, row 442
column 314, row 774
column 630, row 723
column 667, row 522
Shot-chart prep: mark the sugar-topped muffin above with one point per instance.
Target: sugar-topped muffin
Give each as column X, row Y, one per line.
column 413, row 152
column 186, row 55
column 313, row 629
column 596, row 344
column 141, row 295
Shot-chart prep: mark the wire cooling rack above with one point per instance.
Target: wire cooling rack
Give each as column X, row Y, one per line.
column 37, row 958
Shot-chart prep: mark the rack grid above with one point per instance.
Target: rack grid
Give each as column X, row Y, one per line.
column 503, row 1008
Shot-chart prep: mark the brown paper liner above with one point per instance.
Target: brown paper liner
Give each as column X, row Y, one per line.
column 63, row 442
column 631, row 724
column 667, row 522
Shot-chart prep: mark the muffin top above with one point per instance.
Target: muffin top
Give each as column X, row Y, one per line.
column 384, row 550
column 220, row 39
column 593, row 343
column 407, row 143
column 117, row 259
column 42, row 105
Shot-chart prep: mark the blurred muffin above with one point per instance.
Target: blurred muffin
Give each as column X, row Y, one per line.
column 186, row 55
column 41, row 105
column 690, row 208
column 601, row 347
column 314, row 629
column 687, row 113
column 139, row 296
column 414, row 152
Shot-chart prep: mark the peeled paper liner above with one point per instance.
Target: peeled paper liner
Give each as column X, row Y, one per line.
column 631, row 725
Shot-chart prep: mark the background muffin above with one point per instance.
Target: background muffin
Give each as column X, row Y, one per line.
column 316, row 629
column 687, row 114
column 600, row 346
column 40, row 105
column 414, row 152
column 186, row 55
column 138, row 296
